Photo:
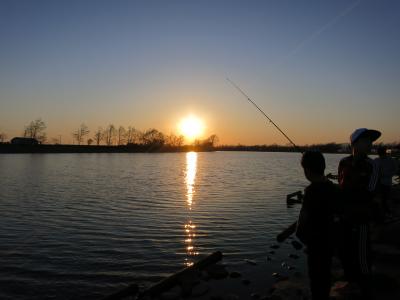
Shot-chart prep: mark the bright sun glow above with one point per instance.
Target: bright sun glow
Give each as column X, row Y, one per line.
column 191, row 127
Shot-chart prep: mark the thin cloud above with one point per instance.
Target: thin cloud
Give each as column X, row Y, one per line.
column 321, row 30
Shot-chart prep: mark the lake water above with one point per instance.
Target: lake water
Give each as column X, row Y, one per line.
column 78, row 226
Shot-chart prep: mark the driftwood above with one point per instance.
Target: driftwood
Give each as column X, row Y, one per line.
column 166, row 283
column 281, row 237
column 170, row 281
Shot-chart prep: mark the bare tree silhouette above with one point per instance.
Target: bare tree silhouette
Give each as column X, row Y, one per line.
column 80, row 133
column 174, row 140
column 98, row 135
column 109, row 135
column 36, row 130
column 3, row 137
column 212, row 140
column 130, row 135
column 153, row 137
column 121, row 135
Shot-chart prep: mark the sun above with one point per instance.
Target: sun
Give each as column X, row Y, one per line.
column 191, row 127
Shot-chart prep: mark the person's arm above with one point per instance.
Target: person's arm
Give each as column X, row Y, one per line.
column 302, row 230
column 340, row 173
column 303, row 223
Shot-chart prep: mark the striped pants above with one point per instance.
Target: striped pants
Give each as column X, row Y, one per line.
column 356, row 252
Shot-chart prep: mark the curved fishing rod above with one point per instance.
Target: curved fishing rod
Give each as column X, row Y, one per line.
column 281, row 237
column 265, row 115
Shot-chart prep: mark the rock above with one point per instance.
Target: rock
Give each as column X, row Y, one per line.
column 246, row 281
column 172, row 294
column 255, row 296
column 200, row 289
column 294, row 256
column 235, row 274
column 217, row 271
column 296, row 245
column 271, row 252
column 274, row 246
column 250, row 262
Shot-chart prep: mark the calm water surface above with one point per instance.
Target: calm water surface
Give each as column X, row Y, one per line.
column 81, row 225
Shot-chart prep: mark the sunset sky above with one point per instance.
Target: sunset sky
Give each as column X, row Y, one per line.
column 319, row 69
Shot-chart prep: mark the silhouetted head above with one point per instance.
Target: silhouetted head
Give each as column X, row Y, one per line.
column 361, row 140
column 313, row 163
column 382, row 151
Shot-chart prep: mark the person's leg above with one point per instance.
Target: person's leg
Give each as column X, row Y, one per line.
column 365, row 262
column 349, row 253
column 319, row 270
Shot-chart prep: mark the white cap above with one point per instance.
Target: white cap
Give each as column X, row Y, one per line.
column 364, row 132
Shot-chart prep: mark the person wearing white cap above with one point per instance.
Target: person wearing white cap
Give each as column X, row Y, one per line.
column 358, row 176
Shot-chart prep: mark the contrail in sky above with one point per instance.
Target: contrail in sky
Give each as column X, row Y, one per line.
column 328, row 25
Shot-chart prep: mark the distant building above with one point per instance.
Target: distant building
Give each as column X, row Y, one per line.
column 24, row 141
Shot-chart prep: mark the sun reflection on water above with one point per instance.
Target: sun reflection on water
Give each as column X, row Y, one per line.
column 191, row 168
column 190, row 228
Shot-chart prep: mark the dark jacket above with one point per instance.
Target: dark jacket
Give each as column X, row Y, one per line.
column 357, row 180
column 319, row 212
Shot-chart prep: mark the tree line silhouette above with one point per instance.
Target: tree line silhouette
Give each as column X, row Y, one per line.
column 112, row 136
column 154, row 140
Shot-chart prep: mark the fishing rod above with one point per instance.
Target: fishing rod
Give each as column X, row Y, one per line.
column 281, row 237
column 264, row 114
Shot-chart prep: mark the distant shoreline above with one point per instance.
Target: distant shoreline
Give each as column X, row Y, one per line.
column 7, row 148
column 136, row 148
